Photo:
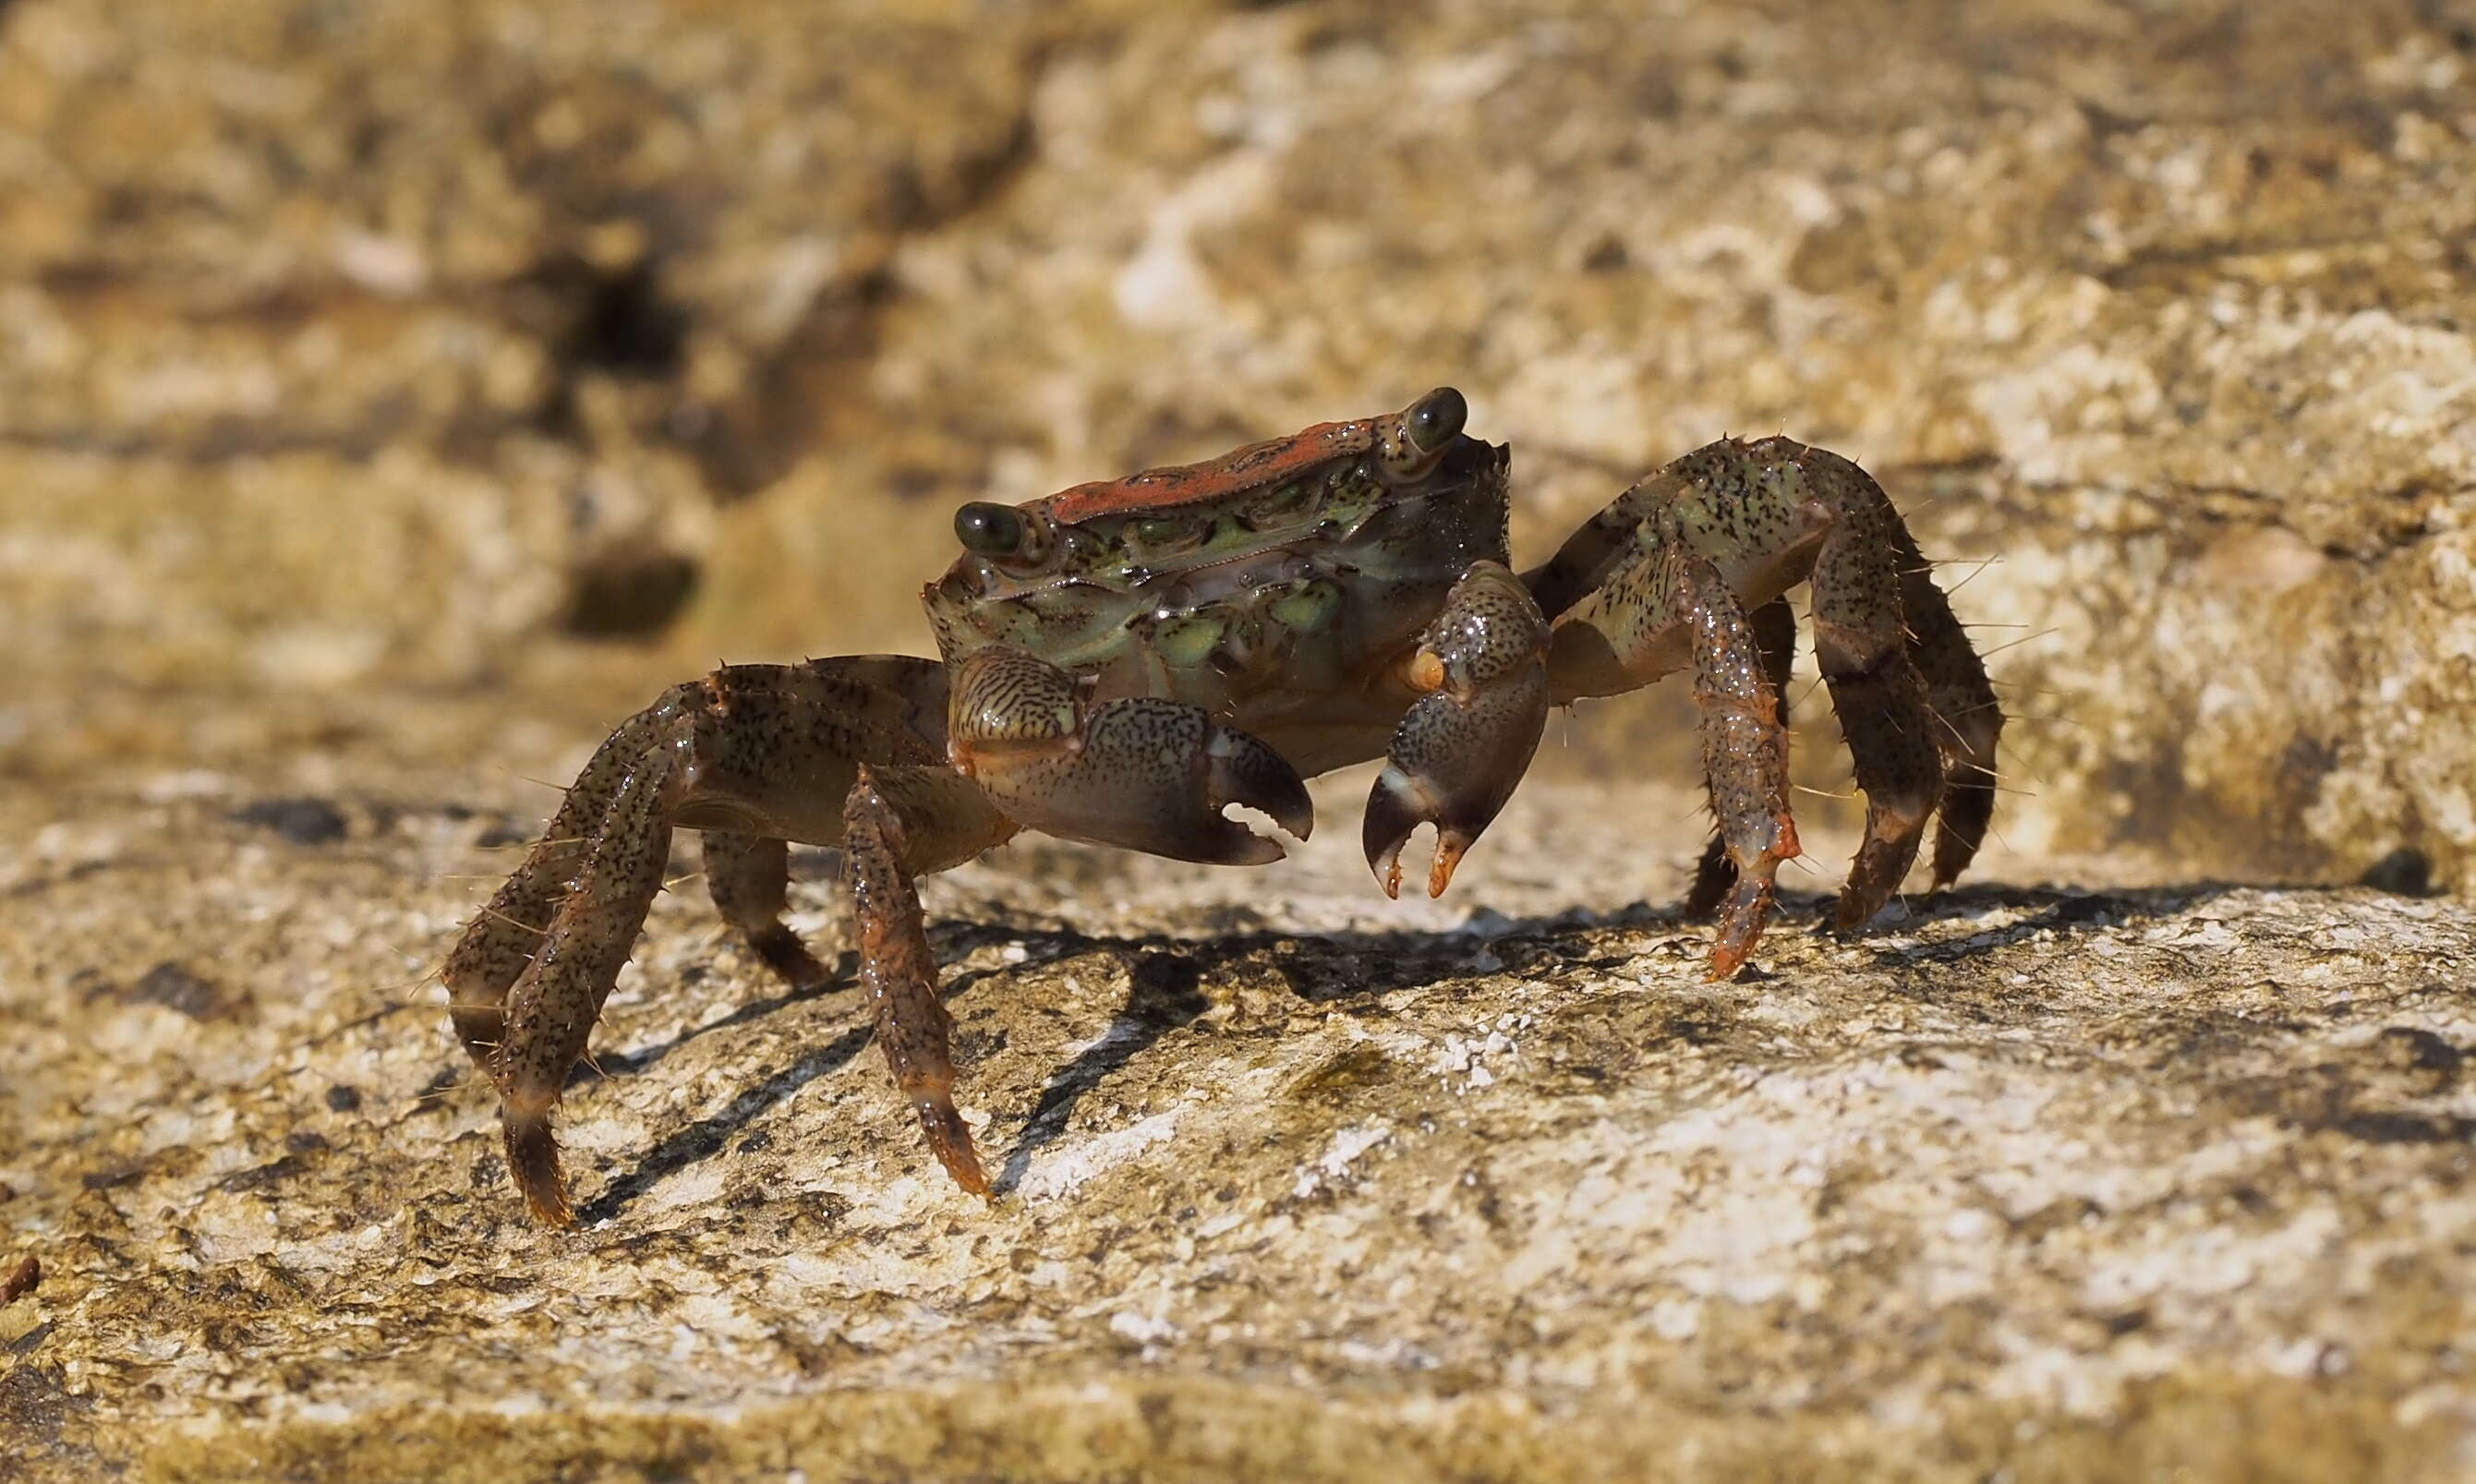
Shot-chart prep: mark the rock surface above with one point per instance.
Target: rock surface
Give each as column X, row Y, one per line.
column 360, row 363
column 2072, row 1182
column 316, row 377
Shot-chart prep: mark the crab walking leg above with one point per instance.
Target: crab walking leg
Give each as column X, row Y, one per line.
column 501, row 939
column 748, row 877
column 1861, row 641
column 829, row 711
column 1744, row 751
column 1775, row 625
column 1141, row 773
column 899, row 976
column 1971, row 720
column 554, row 1004
column 755, row 755
column 1663, row 605
column 1463, row 745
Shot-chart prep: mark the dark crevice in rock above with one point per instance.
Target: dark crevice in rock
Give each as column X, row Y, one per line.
column 798, row 393
column 628, row 594
column 627, row 325
column 2405, row 872
column 302, row 820
column 598, row 320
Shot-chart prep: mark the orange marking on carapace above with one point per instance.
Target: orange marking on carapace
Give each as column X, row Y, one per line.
column 1256, row 464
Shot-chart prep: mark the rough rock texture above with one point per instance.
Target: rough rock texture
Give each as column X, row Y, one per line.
column 360, row 362
column 366, row 342
column 2165, row 311
column 2073, row 1183
column 352, row 342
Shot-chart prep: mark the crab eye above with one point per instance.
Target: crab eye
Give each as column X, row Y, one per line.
column 990, row 530
column 1436, row 419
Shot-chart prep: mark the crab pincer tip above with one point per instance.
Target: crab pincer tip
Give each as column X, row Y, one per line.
column 1450, row 846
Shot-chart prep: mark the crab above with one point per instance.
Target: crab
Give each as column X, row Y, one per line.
column 1124, row 662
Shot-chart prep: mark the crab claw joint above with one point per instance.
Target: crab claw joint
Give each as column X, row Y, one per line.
column 1455, row 758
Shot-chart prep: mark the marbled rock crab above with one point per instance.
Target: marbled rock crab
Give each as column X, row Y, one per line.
column 1122, row 661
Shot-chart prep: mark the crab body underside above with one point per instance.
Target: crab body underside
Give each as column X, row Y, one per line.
column 1120, row 663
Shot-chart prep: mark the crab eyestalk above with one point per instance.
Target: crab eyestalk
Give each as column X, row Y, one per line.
column 1004, row 533
column 1465, row 743
column 1409, row 445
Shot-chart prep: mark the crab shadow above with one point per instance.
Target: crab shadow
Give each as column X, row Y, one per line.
column 1168, row 982
column 1166, row 990
column 2048, row 910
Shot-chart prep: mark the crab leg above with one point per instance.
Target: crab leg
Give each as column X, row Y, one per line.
column 901, row 976
column 1463, row 745
column 553, row 1005
column 1664, row 596
column 1775, row 625
column 1861, row 642
column 1662, row 603
column 500, row 941
column 1971, row 719
column 1722, row 520
column 752, row 755
column 1141, row 773
column 748, row 877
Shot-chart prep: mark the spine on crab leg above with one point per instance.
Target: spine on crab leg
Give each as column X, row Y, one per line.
column 1463, row 745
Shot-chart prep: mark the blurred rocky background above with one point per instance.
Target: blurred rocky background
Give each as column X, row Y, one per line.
column 354, row 347
column 395, row 392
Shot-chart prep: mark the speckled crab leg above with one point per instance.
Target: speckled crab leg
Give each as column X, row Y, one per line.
column 1139, row 773
column 1768, row 513
column 1463, row 745
column 1744, row 751
column 1775, row 625
column 1969, row 717
column 899, row 976
column 501, row 939
column 748, row 877
column 1664, row 598
column 1861, row 642
column 751, row 754
column 1970, row 721
column 833, row 711
column 552, row 1004
column 1665, row 595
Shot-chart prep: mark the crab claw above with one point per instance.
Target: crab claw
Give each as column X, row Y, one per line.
column 1147, row 774
column 1155, row 776
column 1463, row 746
